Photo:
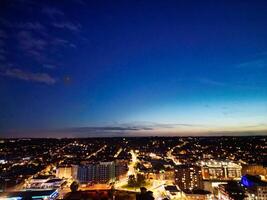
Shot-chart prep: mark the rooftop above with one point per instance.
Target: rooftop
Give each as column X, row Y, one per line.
column 29, row 193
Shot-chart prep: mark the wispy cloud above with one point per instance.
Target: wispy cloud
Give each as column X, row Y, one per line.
column 31, row 26
column 63, row 42
column 49, row 66
column 35, row 43
column 52, row 12
column 32, row 45
column 156, row 125
column 122, row 128
column 29, row 76
column 130, row 131
column 81, row 2
column 106, row 128
column 67, row 25
column 27, row 41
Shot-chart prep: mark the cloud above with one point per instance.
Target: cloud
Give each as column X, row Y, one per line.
column 27, row 41
column 106, row 132
column 31, row 45
column 62, row 42
column 29, row 76
column 23, row 25
column 67, row 25
column 123, row 128
column 155, row 125
column 236, row 133
column 52, row 12
column 49, row 66
column 31, row 26
column 82, row 2
column 104, row 128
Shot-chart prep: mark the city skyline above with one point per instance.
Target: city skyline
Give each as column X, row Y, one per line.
column 175, row 68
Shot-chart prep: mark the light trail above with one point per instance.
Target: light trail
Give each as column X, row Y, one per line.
column 95, row 153
column 172, row 157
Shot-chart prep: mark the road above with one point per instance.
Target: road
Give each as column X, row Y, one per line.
column 95, row 153
column 118, row 153
column 172, row 157
column 131, row 171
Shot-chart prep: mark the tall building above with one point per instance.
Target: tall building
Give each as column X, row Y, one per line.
column 188, row 177
column 105, row 172
column 121, row 168
column 102, row 172
column 82, row 174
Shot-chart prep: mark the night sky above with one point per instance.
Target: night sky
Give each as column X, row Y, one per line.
column 133, row 68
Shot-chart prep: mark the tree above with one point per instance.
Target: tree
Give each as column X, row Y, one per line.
column 112, row 191
column 131, row 181
column 74, row 186
column 140, row 179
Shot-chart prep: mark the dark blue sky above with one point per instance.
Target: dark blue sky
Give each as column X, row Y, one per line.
column 77, row 68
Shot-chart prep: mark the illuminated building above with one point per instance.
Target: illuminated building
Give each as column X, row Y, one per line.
column 121, row 168
column 105, row 172
column 44, row 182
column 34, row 194
column 218, row 170
column 188, row 177
column 198, row 195
column 53, row 183
column 67, row 172
column 102, row 172
column 256, row 189
column 172, row 191
column 231, row 191
column 167, row 174
column 38, row 181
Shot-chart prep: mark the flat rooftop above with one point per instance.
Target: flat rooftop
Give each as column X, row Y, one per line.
column 28, row 193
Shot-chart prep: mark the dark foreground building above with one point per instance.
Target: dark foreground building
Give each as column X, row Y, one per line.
column 100, row 195
column 231, row 191
column 255, row 187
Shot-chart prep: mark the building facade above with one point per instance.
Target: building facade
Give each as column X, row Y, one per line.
column 218, row 170
column 101, row 172
column 231, row 191
column 67, row 172
column 188, row 177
